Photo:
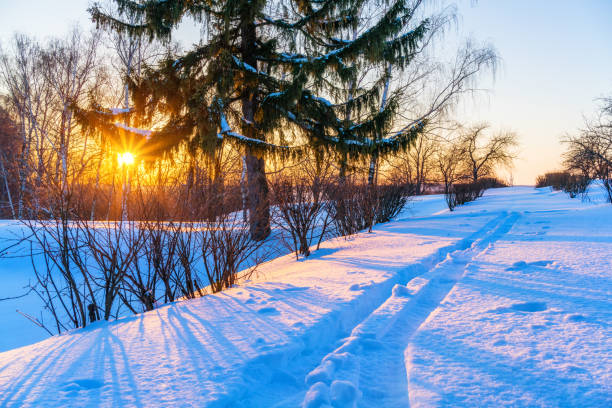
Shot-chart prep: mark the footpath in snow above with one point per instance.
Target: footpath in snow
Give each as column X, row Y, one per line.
column 505, row 302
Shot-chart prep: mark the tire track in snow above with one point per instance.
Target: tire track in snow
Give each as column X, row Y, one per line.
column 368, row 369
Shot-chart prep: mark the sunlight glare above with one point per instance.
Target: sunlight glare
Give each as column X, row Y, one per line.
column 125, row 159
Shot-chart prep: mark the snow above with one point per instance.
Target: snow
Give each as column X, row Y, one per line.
column 225, row 128
column 244, row 65
column 115, row 111
column 293, row 58
column 119, row 111
column 143, row 132
column 322, row 100
column 506, row 301
column 245, row 139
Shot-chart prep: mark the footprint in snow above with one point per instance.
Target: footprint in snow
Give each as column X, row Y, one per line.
column 83, row 384
column 575, row 318
column 291, row 289
column 529, row 307
column 268, row 310
column 522, row 265
column 260, row 342
column 500, row 342
column 280, row 377
column 371, row 344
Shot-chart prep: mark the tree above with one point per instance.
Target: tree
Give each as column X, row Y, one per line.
column 590, row 152
column 41, row 83
column 29, row 102
column 270, row 76
column 448, row 160
column 416, row 164
column 429, row 89
column 10, row 146
column 483, row 153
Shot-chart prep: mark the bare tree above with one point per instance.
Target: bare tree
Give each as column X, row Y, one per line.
column 69, row 65
column 29, row 101
column 416, row 165
column 432, row 89
column 448, row 160
column 9, row 148
column 483, row 153
column 590, row 152
column 41, row 84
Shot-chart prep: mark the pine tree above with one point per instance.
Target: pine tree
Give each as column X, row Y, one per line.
column 270, row 77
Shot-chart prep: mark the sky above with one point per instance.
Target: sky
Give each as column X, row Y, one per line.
column 556, row 60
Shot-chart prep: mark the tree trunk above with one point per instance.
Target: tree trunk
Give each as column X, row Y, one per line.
column 343, row 168
column 383, row 103
column 258, row 200
column 373, row 167
column 6, row 185
column 243, row 189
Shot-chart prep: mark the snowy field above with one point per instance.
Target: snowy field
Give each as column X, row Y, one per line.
column 505, row 302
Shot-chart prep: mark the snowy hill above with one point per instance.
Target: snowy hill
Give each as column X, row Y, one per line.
column 505, row 302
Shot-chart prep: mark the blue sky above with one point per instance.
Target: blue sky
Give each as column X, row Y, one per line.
column 556, row 60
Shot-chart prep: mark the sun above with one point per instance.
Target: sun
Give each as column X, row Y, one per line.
column 125, row 159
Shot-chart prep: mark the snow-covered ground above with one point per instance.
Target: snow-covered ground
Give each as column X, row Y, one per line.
column 505, row 302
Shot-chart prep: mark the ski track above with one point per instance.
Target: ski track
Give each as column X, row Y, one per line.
column 317, row 347
column 368, row 369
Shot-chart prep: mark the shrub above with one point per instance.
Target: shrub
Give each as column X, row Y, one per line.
column 557, row 180
column 572, row 184
column 607, row 184
column 391, row 200
column 491, row 182
column 355, row 207
column 577, row 185
column 459, row 194
column 300, row 212
column 227, row 246
column 350, row 207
